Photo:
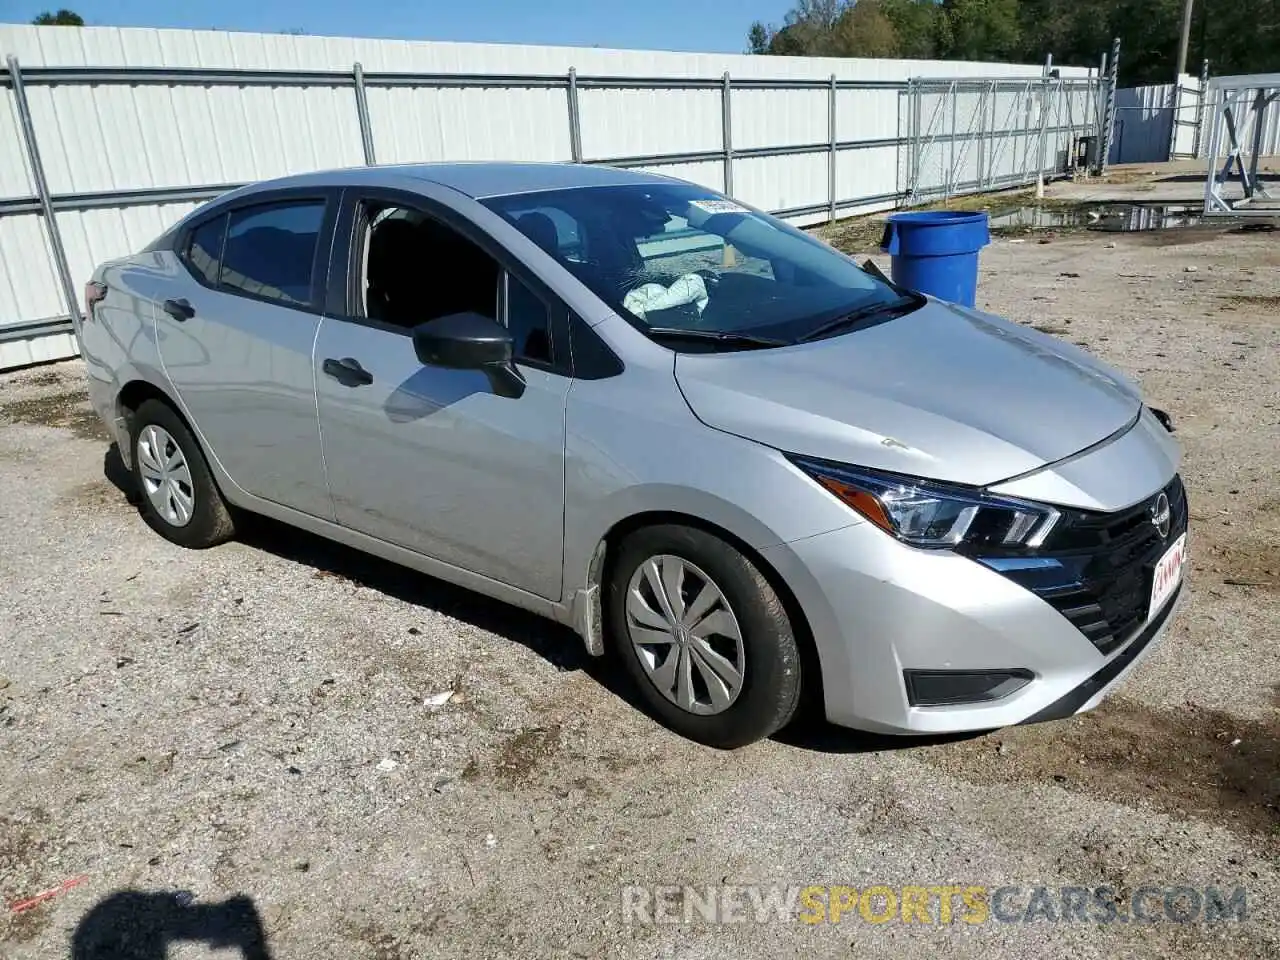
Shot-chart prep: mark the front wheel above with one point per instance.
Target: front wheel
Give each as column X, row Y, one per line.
column 179, row 499
column 703, row 635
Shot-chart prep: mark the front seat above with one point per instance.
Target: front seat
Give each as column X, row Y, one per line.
column 541, row 229
column 395, row 287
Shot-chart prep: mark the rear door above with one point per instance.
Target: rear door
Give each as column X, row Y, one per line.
column 236, row 335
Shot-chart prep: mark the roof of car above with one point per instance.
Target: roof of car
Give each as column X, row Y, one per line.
column 482, row 179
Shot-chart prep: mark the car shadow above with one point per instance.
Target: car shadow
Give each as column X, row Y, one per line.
column 556, row 644
column 142, row 925
column 119, row 476
column 817, row 735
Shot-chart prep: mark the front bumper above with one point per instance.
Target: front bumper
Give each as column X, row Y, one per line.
column 878, row 607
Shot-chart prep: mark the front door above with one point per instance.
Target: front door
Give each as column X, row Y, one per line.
column 235, row 331
column 428, row 458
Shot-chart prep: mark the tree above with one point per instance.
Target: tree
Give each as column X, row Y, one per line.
column 1237, row 37
column 916, row 25
column 863, row 30
column 63, row 18
column 807, row 31
column 982, row 29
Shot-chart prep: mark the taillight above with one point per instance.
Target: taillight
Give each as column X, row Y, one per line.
column 93, row 292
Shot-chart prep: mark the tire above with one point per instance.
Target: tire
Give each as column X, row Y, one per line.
column 714, row 711
column 197, row 520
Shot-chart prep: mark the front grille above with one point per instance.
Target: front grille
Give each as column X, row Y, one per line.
column 1099, row 567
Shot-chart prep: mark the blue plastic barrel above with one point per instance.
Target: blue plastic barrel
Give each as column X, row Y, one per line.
column 937, row 252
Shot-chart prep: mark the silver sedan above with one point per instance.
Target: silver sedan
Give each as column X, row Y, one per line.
column 720, row 450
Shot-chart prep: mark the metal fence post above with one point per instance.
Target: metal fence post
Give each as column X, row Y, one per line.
column 726, row 124
column 575, row 117
column 362, row 112
column 1174, row 111
column 831, row 130
column 42, row 190
column 1098, row 103
column 1200, row 100
column 953, row 92
column 1109, row 116
column 987, row 96
column 913, row 144
column 1044, row 124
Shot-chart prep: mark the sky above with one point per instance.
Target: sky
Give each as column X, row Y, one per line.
column 717, row 26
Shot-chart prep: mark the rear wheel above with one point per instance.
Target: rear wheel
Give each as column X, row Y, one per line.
column 703, row 635
column 179, row 499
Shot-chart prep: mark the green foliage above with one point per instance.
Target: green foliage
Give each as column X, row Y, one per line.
column 1242, row 36
column 918, row 25
column 63, row 18
column 982, row 29
column 864, row 30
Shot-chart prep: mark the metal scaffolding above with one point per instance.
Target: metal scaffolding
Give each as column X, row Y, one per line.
column 1244, row 128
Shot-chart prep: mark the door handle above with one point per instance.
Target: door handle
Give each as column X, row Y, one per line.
column 347, row 372
column 180, row 310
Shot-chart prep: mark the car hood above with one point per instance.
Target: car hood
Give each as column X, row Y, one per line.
column 945, row 392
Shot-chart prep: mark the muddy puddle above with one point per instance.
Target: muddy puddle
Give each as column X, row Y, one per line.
column 1107, row 218
column 70, row 411
column 1186, row 762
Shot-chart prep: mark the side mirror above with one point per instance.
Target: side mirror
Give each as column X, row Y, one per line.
column 470, row 341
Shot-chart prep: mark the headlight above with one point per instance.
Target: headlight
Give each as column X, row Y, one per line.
column 930, row 514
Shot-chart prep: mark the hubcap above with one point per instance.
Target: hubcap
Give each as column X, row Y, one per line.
column 166, row 478
column 685, row 635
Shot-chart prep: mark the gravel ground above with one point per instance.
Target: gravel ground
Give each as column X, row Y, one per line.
column 242, row 747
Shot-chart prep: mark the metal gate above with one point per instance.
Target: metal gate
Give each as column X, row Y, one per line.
column 972, row 135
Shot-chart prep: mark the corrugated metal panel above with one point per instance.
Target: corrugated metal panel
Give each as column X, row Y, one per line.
column 768, row 118
column 621, row 123
column 1269, row 144
column 15, row 173
column 23, row 353
column 779, row 183
column 92, row 236
column 128, row 137
column 709, row 174
column 871, row 114
column 1142, row 127
column 423, row 123
column 28, row 283
column 867, row 173
column 129, row 46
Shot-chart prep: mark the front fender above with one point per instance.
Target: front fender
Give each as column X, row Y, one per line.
column 663, row 460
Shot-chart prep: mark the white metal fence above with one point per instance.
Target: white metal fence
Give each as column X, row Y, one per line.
column 110, row 135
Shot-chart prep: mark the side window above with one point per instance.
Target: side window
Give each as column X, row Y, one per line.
column 416, row 269
column 529, row 323
column 204, row 249
column 270, row 251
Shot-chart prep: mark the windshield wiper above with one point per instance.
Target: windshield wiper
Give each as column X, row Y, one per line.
column 730, row 338
column 890, row 308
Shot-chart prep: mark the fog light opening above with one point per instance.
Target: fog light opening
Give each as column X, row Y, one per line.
column 937, row 688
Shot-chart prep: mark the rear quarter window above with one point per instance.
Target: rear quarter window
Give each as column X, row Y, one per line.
column 203, row 251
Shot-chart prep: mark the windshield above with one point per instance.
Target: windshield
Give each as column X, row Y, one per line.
column 677, row 257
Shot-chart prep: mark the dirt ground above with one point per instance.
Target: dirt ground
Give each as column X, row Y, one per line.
column 242, row 751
